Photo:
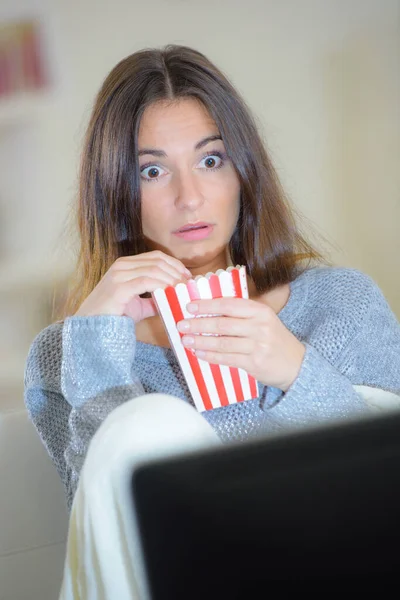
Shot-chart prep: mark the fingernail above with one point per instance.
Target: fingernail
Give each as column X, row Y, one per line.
column 187, row 340
column 183, row 326
column 192, row 308
column 188, row 274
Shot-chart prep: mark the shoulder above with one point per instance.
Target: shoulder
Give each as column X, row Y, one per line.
column 335, row 306
column 43, row 364
column 342, row 290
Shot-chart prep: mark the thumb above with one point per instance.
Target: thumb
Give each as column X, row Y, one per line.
column 141, row 308
column 149, row 308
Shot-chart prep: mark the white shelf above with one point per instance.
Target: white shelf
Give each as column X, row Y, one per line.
column 23, row 107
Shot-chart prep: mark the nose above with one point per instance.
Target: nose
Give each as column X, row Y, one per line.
column 188, row 193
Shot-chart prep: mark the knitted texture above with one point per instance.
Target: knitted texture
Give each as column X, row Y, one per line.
column 78, row 371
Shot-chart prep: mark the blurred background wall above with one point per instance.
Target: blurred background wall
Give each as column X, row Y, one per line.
column 322, row 76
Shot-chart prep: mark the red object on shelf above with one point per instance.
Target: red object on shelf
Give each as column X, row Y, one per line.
column 33, row 63
column 22, row 65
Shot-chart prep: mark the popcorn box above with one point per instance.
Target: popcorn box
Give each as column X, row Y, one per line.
column 211, row 386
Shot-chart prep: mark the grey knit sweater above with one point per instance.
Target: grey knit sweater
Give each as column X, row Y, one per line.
column 78, row 371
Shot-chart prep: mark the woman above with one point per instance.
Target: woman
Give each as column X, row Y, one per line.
column 175, row 182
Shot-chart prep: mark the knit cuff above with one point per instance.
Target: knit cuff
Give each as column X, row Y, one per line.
column 98, row 354
column 319, row 393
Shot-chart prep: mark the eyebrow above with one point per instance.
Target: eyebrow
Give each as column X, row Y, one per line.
column 162, row 154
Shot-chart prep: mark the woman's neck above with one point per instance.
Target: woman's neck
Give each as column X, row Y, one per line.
column 219, row 262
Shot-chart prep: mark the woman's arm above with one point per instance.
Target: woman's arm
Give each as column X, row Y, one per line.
column 369, row 360
column 76, row 374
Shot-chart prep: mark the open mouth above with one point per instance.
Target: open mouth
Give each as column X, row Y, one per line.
column 195, row 227
column 195, row 232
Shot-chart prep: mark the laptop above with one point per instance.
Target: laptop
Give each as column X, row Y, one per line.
column 297, row 511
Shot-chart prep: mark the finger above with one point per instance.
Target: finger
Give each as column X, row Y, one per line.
column 170, row 260
column 216, row 325
column 151, row 271
column 141, row 285
column 129, row 271
column 147, row 308
column 228, row 359
column 241, row 308
column 170, row 263
column 220, row 344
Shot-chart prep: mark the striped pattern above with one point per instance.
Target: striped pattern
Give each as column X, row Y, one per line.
column 211, row 386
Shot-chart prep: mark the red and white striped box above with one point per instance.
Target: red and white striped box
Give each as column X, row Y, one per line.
column 211, row 386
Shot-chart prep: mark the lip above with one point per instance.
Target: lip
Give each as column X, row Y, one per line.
column 202, row 231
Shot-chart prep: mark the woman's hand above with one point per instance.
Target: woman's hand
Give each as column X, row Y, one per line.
column 249, row 335
column 118, row 292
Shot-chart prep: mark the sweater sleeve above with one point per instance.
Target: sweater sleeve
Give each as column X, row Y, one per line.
column 328, row 388
column 74, row 381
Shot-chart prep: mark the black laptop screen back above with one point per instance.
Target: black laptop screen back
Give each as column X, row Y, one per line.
column 313, row 506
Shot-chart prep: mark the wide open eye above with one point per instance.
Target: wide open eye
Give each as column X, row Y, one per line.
column 212, row 161
column 151, row 172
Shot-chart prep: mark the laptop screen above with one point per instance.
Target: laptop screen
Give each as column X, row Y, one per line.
column 314, row 506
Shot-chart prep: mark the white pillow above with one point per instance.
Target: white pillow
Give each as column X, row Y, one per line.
column 378, row 399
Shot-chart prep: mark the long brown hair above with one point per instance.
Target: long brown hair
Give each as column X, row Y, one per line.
column 267, row 239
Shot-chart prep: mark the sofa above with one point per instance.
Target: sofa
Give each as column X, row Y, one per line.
column 33, row 512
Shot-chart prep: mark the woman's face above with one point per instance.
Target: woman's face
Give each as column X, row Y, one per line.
column 186, row 178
